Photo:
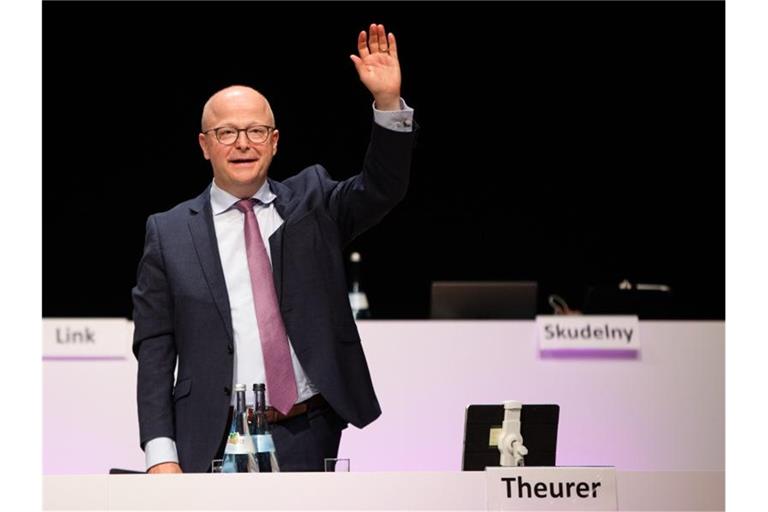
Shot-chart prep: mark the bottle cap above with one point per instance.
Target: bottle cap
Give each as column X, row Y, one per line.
column 258, row 387
column 354, row 257
column 239, row 387
column 512, row 404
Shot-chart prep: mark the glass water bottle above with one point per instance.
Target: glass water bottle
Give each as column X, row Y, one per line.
column 239, row 453
column 265, row 446
column 357, row 298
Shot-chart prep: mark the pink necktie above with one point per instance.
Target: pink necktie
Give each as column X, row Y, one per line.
column 281, row 382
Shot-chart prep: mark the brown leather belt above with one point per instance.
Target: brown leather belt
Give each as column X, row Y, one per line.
column 314, row 402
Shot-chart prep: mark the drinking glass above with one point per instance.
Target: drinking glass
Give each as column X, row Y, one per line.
column 337, row 465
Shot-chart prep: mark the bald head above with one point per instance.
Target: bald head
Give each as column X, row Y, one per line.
column 233, row 98
column 240, row 167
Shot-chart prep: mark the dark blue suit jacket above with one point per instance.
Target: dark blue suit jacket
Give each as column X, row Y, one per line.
column 181, row 306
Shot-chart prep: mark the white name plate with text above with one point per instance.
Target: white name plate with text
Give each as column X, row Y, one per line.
column 551, row 488
column 86, row 338
column 588, row 333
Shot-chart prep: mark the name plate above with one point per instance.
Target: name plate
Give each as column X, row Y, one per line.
column 551, row 488
column 86, row 338
column 588, row 333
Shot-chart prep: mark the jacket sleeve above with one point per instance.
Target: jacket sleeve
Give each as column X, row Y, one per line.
column 362, row 201
column 153, row 341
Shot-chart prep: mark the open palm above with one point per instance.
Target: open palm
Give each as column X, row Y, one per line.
column 378, row 66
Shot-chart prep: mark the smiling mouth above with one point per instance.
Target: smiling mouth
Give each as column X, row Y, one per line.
column 242, row 161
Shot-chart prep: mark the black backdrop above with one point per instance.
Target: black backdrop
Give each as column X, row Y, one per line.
column 568, row 143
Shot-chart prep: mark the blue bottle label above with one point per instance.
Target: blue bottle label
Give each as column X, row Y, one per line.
column 264, row 443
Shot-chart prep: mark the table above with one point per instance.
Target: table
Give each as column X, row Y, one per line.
column 640, row 491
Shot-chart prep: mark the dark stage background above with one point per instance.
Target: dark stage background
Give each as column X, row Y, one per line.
column 568, row 143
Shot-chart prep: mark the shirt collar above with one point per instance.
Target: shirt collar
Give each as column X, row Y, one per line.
column 221, row 200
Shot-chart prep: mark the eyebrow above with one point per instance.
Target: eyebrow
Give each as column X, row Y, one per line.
column 250, row 125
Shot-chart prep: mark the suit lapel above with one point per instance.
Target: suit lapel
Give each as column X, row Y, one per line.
column 204, row 237
column 285, row 204
column 285, row 201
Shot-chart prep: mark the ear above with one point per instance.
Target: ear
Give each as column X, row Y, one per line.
column 275, row 136
column 201, row 138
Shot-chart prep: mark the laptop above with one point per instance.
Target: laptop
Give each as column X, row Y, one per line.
column 482, row 428
column 488, row 300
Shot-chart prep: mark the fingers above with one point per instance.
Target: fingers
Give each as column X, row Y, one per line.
column 377, row 41
column 382, row 38
column 373, row 38
column 357, row 61
column 392, row 45
column 362, row 44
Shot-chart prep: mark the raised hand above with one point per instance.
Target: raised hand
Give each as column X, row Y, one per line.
column 378, row 66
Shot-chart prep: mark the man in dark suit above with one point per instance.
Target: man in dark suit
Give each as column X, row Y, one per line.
column 245, row 283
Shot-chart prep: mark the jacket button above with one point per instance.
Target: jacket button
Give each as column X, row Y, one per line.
column 230, row 349
column 227, row 390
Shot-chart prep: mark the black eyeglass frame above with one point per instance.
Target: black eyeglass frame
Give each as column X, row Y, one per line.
column 215, row 131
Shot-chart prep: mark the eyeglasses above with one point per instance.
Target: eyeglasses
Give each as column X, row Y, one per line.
column 228, row 135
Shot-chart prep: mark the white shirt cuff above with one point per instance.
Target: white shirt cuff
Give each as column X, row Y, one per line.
column 159, row 450
column 397, row 120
